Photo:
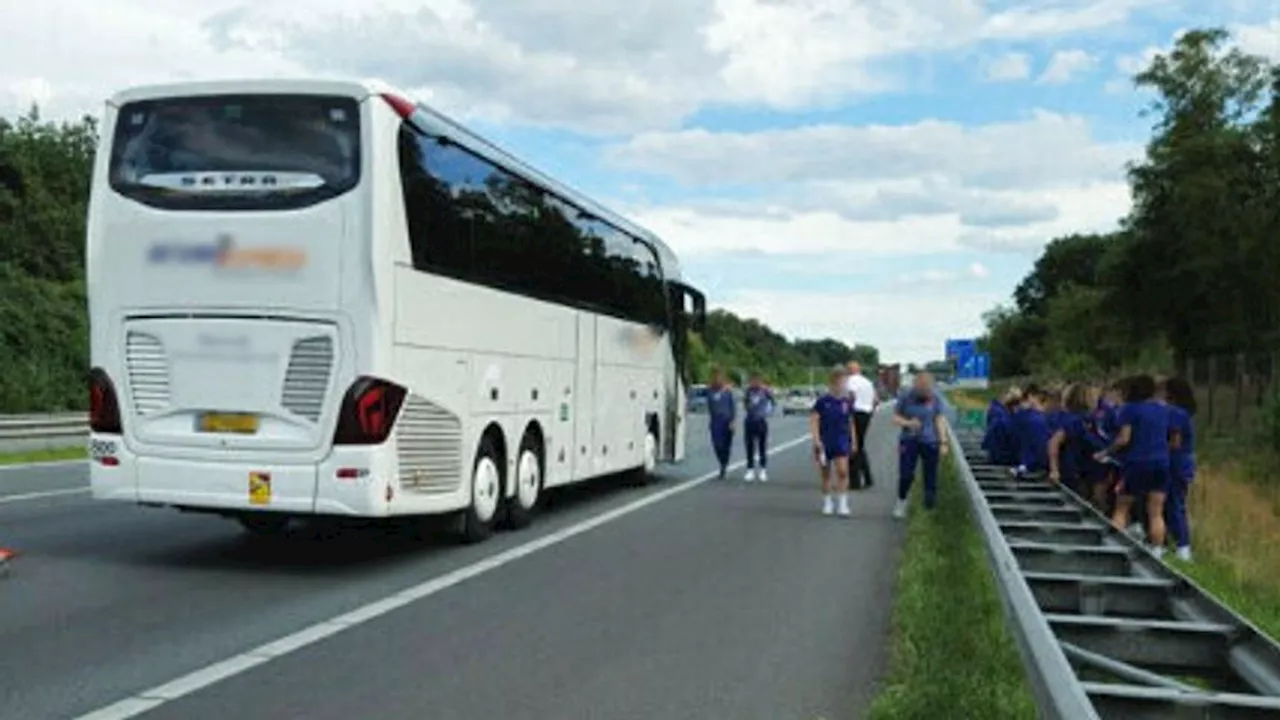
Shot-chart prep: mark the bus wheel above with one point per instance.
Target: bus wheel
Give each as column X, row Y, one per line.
column 265, row 524
column 521, row 507
column 486, row 494
column 645, row 474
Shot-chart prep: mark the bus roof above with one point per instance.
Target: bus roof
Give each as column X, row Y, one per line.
column 445, row 125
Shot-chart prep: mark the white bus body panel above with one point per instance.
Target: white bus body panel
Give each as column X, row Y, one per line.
column 472, row 358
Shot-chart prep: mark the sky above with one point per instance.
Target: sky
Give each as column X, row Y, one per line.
column 877, row 171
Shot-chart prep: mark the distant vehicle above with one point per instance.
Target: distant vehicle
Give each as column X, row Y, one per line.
column 889, row 380
column 698, row 398
column 318, row 298
column 798, row 401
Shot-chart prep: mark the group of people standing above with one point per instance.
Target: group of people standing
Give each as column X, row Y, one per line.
column 1128, row 448
column 838, row 425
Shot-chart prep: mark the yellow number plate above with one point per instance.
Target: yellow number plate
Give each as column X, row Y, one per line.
column 259, row 488
column 237, row 423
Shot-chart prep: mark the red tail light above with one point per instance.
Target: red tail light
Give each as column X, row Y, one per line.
column 404, row 108
column 104, row 406
column 369, row 412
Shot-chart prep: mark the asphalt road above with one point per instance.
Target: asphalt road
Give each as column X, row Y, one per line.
column 680, row 600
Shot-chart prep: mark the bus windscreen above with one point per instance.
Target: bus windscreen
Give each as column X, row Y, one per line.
column 236, row 152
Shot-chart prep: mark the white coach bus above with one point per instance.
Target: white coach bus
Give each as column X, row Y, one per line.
column 317, row 298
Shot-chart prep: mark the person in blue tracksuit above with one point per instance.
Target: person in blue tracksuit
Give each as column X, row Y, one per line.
column 919, row 412
column 1000, row 442
column 722, row 412
column 1031, row 424
column 1144, row 439
column 835, row 437
column 1072, row 447
column 757, row 405
column 1181, row 400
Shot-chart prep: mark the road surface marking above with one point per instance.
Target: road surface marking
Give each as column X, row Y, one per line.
column 4, row 499
column 148, row 700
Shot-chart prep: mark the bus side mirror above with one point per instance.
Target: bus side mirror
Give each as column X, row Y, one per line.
column 697, row 309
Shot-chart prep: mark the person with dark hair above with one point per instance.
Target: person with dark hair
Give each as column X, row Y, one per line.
column 834, row 436
column 757, row 404
column 1181, row 399
column 919, row 412
column 1031, row 424
column 1144, row 439
column 722, row 412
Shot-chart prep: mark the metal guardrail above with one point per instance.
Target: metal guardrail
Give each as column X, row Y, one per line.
column 37, row 432
column 1105, row 629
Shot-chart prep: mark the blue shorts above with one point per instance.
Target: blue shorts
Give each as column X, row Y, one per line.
column 1141, row 480
column 837, row 447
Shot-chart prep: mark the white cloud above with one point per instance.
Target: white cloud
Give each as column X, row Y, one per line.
column 1065, row 65
column 1008, row 67
column 905, row 326
column 603, row 65
column 978, row 270
column 1262, row 39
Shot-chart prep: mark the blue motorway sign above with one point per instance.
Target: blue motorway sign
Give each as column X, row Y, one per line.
column 972, row 367
column 957, row 349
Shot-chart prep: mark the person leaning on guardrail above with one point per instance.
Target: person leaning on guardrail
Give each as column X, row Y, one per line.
column 1031, row 424
column 1071, row 448
column 1000, row 442
column 919, row 412
column 1181, row 399
column 1144, row 438
column 721, row 413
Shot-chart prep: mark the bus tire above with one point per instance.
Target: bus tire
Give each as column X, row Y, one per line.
column 479, row 518
column 647, row 473
column 523, row 504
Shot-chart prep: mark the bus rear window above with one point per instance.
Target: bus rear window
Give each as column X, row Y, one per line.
column 236, row 152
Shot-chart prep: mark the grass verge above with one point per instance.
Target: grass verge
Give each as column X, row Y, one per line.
column 38, row 456
column 952, row 656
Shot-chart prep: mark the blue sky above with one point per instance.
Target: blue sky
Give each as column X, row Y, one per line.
column 879, row 171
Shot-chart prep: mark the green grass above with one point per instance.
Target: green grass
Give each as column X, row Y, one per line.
column 952, row 656
column 50, row 455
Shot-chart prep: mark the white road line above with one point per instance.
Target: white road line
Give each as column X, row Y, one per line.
column 41, row 464
column 148, row 700
column 5, row 499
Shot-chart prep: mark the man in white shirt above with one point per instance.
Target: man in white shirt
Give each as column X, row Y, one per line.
column 862, row 394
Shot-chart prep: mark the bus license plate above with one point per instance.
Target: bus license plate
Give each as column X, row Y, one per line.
column 237, row 423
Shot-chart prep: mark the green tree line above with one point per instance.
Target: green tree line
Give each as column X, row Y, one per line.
column 1194, row 269
column 44, row 191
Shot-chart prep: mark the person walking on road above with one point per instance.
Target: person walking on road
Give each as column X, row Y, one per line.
column 834, row 439
column 722, row 412
column 923, row 440
column 862, row 393
column 757, row 405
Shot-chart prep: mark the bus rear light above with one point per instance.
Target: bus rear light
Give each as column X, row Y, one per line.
column 404, row 108
column 104, row 405
column 109, row 461
column 349, row 473
column 369, row 412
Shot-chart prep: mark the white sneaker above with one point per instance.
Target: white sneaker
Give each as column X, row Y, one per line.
column 1184, row 554
column 1137, row 532
column 828, row 505
column 843, row 509
column 750, row 476
column 1158, row 552
column 900, row 510
column 763, row 475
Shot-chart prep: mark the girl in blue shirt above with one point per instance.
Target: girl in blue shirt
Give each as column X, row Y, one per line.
column 757, row 406
column 1070, row 448
column 999, row 441
column 1181, row 401
column 1032, row 427
column 1144, row 439
column 834, row 437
